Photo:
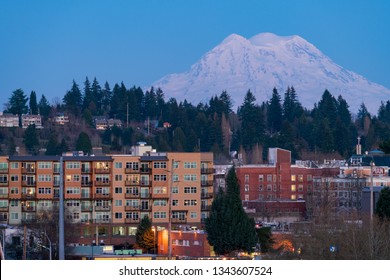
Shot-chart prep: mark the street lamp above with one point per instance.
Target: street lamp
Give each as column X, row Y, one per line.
column 154, row 239
column 372, row 164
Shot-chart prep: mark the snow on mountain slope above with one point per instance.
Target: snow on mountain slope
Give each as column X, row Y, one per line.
column 266, row 61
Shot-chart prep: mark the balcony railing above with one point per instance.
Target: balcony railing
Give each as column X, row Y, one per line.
column 145, row 195
column 161, row 195
column 207, row 170
column 131, row 183
column 28, row 170
column 4, row 195
column 29, row 183
column 146, row 170
column 4, row 183
column 28, row 195
column 102, row 183
column 56, row 170
column 103, row 170
column 86, row 183
column 4, row 171
column 86, row 208
column 103, row 208
column 131, row 170
column 206, row 195
column 207, row 183
column 3, row 208
column 132, row 208
column 101, row 221
column 205, row 207
column 146, row 183
column 101, row 196
column 132, row 220
column 179, row 220
column 86, row 170
column 28, row 208
column 131, row 195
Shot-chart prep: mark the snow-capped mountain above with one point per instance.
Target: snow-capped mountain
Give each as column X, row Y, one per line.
column 266, row 61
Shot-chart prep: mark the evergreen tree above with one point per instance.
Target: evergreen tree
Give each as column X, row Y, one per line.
column 252, row 122
column 97, row 96
column 52, row 147
column 106, row 97
column 30, row 139
column 382, row 208
column 73, row 100
column 63, row 147
column 44, row 107
column 33, row 103
column 88, row 98
column 274, row 112
column 84, row 143
column 228, row 227
column 18, row 104
column 144, row 236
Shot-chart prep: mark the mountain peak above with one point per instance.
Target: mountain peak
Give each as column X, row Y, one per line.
column 267, row 61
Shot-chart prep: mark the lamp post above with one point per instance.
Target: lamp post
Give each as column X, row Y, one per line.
column 372, row 164
column 154, row 240
column 92, row 245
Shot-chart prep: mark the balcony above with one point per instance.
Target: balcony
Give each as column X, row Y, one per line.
column 179, row 220
column 3, row 218
column 132, row 183
column 56, row 170
column 146, row 170
column 103, row 208
column 28, row 170
column 146, row 183
column 146, row 195
column 28, row 208
column 85, row 196
column 132, row 220
column 102, row 196
column 102, row 170
column 131, row 170
column 4, row 183
column 132, row 208
column 86, row 183
column 102, row 183
column 148, row 209
column 160, row 195
column 4, row 195
column 4, row 171
column 205, row 207
column 206, row 195
column 131, row 195
column 26, row 196
column 207, row 170
column 86, row 208
column 101, row 221
column 86, row 170
column 29, row 183
column 207, row 183
column 3, row 208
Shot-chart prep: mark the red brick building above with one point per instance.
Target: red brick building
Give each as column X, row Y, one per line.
column 277, row 191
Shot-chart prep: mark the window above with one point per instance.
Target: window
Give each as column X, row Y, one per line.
column 246, row 178
column 76, row 178
column 175, row 164
column 118, row 190
column 175, row 202
column 293, row 197
column 309, row 178
column 175, row 189
column 131, row 230
column 246, row 188
column 261, row 188
column 189, row 189
column 118, row 202
column 160, row 164
column 193, row 215
column 44, row 165
column 190, row 177
column 160, row 190
column 14, row 190
column 44, row 178
column 160, row 202
column 175, row 178
column 160, row 177
column 269, row 188
column 269, row 178
column 190, row 202
column 300, row 188
column 72, row 203
column 118, row 165
column 293, row 188
column 275, row 188
column 261, row 178
column 160, row 215
column 190, row 165
column 44, row 190
column 118, row 177
column 300, row 178
column 117, row 215
column 293, row 178
column 73, row 190
column 4, row 179
column 14, row 216
column 3, row 191
column 132, row 165
column 246, row 198
column 14, row 165
column 72, row 165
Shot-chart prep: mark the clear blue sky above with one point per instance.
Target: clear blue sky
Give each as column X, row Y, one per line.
column 44, row 45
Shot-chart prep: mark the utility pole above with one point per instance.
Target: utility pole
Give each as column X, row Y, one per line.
column 170, row 215
column 61, row 237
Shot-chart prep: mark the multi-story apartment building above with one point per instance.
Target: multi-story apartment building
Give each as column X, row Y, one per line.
column 107, row 196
